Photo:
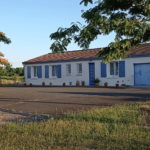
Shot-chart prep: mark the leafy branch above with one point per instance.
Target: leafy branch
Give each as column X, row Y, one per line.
column 129, row 19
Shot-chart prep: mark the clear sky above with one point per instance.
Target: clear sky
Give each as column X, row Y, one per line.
column 28, row 23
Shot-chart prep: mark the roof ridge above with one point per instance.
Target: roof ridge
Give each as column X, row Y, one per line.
column 78, row 50
column 87, row 49
column 86, row 53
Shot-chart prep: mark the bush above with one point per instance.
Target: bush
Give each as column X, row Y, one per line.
column 96, row 80
column 15, row 77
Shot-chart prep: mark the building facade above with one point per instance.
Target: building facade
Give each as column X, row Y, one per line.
column 73, row 66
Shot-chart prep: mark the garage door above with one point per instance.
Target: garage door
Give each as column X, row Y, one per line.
column 142, row 74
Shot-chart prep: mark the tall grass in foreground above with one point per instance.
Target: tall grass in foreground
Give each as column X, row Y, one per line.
column 111, row 128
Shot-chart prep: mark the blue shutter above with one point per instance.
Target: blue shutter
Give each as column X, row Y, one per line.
column 58, row 71
column 121, row 68
column 103, row 70
column 39, row 71
column 28, row 72
column 47, row 71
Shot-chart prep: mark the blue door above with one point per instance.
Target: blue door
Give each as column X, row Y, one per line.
column 142, row 74
column 91, row 73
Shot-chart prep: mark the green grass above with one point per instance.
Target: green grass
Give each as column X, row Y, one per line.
column 111, row 128
column 9, row 80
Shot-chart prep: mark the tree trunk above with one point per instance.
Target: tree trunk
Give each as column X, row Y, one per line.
column 0, row 79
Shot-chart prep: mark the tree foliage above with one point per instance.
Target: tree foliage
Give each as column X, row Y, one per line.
column 8, row 70
column 6, row 40
column 2, row 60
column 129, row 19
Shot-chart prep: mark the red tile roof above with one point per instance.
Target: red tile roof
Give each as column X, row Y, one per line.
column 90, row 53
column 142, row 49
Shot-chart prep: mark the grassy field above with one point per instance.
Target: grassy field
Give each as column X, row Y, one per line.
column 9, row 80
column 111, row 128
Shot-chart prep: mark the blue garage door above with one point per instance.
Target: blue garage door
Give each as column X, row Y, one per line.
column 142, row 74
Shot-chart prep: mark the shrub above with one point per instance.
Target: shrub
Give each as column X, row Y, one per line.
column 15, row 78
column 96, row 80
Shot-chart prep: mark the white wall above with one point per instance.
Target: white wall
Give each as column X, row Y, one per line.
column 128, row 79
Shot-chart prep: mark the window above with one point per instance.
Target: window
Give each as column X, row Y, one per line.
column 35, row 69
column 79, row 68
column 54, row 71
column 68, row 68
column 114, row 68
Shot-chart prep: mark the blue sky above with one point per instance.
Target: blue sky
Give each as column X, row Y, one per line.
column 28, row 23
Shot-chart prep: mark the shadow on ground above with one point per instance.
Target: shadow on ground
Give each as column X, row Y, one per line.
column 143, row 96
column 22, row 117
column 86, row 104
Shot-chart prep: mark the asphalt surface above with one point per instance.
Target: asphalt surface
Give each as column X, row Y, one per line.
column 58, row 100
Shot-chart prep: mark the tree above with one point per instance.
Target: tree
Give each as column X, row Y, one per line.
column 6, row 40
column 3, row 61
column 129, row 19
column 15, row 78
column 19, row 71
column 3, row 71
column 10, row 70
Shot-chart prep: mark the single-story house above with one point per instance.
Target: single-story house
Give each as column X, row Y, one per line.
column 83, row 65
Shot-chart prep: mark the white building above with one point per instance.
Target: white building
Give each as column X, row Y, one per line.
column 83, row 65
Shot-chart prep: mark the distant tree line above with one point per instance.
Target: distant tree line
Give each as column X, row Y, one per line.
column 8, row 70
